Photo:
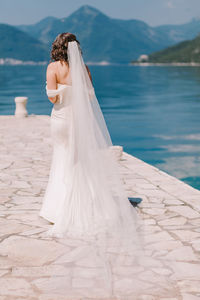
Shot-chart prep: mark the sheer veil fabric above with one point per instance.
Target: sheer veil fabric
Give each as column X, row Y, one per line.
column 96, row 229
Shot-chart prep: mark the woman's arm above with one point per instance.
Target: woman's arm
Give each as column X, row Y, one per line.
column 89, row 73
column 91, row 91
column 51, row 81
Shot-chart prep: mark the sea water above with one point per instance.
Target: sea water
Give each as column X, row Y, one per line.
column 153, row 112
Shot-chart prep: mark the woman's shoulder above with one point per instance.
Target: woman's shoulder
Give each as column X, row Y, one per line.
column 52, row 66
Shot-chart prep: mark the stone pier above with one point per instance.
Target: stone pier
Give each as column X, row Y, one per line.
column 170, row 209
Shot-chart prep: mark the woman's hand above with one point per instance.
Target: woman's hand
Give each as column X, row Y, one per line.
column 55, row 99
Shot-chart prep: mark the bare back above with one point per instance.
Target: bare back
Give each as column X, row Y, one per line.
column 59, row 73
column 62, row 73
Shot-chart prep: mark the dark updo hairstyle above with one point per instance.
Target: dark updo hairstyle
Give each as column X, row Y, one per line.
column 60, row 45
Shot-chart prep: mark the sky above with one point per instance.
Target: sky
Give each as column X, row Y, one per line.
column 153, row 12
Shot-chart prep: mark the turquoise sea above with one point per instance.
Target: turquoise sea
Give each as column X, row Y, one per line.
column 153, row 112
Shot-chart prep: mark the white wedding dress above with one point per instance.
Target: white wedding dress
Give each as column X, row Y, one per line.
column 86, row 200
column 85, row 194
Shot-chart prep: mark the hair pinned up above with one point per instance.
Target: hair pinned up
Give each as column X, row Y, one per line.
column 60, row 45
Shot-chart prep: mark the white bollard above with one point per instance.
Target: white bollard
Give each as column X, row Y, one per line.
column 117, row 151
column 20, row 108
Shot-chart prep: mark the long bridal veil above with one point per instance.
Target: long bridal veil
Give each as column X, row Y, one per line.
column 98, row 252
column 95, row 194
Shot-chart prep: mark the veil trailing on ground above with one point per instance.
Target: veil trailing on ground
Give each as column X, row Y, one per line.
column 96, row 227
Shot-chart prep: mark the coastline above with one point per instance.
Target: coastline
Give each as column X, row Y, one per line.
column 16, row 62
column 173, row 64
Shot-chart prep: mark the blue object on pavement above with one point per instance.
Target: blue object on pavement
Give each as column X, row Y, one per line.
column 135, row 201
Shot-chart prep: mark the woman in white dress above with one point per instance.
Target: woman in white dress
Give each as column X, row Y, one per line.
column 85, row 199
column 85, row 192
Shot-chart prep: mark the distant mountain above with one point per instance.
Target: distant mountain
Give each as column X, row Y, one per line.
column 179, row 33
column 18, row 45
column 185, row 52
column 102, row 38
column 107, row 39
column 38, row 30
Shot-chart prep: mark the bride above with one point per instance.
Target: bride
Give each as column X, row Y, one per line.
column 85, row 200
column 85, row 193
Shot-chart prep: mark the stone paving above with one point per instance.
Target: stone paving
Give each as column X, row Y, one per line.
column 170, row 210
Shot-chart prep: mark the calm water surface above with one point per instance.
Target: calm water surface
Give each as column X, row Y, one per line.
column 153, row 112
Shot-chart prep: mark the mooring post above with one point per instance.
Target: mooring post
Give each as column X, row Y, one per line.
column 20, row 107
